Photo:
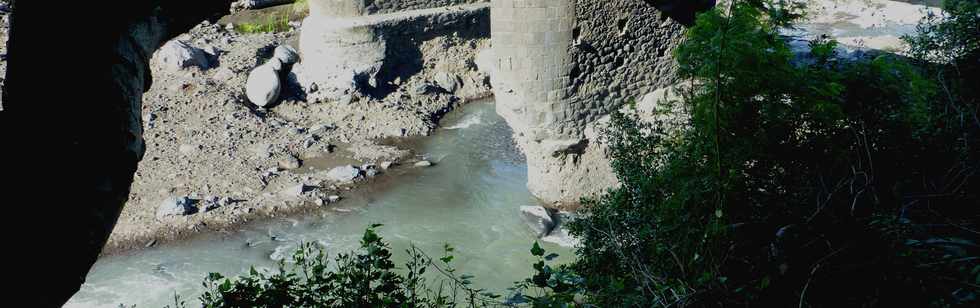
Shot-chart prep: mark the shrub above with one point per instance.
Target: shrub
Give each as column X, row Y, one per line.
column 805, row 184
column 367, row 277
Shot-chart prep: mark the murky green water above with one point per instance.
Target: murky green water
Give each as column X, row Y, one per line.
column 470, row 199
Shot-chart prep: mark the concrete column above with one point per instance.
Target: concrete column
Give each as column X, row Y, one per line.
column 338, row 54
column 531, row 41
column 562, row 66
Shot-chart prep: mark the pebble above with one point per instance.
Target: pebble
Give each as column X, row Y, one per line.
column 289, row 162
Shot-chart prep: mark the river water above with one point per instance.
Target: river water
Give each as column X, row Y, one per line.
column 469, row 199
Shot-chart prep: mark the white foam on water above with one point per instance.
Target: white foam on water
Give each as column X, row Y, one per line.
column 468, row 120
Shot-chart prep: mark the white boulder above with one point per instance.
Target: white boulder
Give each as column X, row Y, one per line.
column 177, row 55
column 263, row 86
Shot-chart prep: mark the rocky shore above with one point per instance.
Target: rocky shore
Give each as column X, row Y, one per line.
column 216, row 159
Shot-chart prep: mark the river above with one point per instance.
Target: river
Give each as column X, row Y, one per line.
column 469, row 199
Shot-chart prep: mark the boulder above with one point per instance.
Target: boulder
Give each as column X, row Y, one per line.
column 559, row 234
column 177, row 55
column 538, row 219
column 286, row 54
column 344, row 174
column 447, row 81
column 263, row 85
column 175, row 206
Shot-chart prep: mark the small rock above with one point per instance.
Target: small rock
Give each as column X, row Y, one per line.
column 224, row 201
column 370, row 170
column 286, row 54
column 289, row 162
column 538, row 219
column 423, row 163
column 344, row 174
column 321, row 128
column 318, row 201
column 177, row 55
column 263, row 86
column 447, row 81
column 212, row 51
column 210, row 204
column 333, row 198
column 386, row 164
column 294, row 191
column 308, row 142
column 230, row 27
column 175, row 206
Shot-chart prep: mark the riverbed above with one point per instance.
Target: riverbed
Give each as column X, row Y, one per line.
column 469, row 199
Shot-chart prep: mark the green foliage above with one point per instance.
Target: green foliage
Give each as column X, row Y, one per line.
column 368, row 278
column 272, row 24
column 777, row 191
column 949, row 36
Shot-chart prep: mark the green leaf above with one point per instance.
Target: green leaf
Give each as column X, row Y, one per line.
column 551, row 256
column 536, row 250
column 447, row 259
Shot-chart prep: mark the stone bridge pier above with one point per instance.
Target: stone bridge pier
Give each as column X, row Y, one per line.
column 563, row 65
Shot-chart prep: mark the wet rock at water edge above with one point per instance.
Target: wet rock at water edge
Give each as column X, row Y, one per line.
column 538, row 219
column 560, row 234
column 175, row 206
column 370, row 170
column 423, row 163
column 289, row 162
column 344, row 174
column 177, row 55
